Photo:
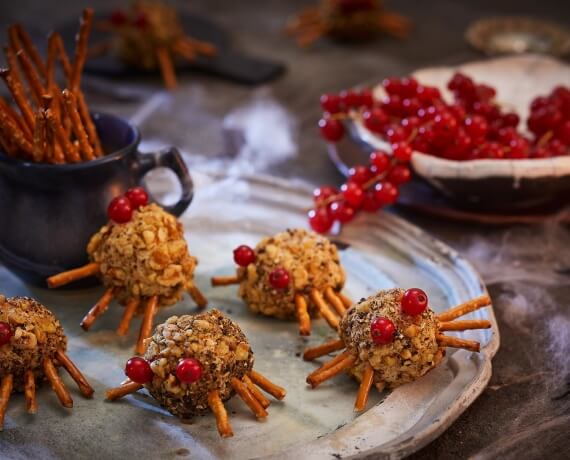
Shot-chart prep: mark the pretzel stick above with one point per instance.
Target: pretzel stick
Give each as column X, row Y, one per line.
column 31, row 50
column 57, row 384
column 345, row 300
column 146, row 326
column 123, row 390
column 53, row 148
column 69, row 149
column 257, row 394
column 36, row 87
column 464, row 325
column 225, row 280
column 14, row 84
column 70, row 103
column 364, row 389
column 205, row 48
column 324, row 309
column 6, row 144
column 333, row 362
column 248, row 398
column 89, row 125
column 67, row 277
column 39, row 146
column 30, row 392
column 82, row 383
column 334, row 300
column 12, row 62
column 455, row 342
column 5, row 392
column 217, row 407
column 302, row 315
column 464, row 308
column 16, row 134
column 266, row 385
column 16, row 118
column 130, row 310
column 324, row 349
column 166, row 67
column 197, row 296
column 97, row 310
column 63, row 57
column 81, row 46
column 316, row 379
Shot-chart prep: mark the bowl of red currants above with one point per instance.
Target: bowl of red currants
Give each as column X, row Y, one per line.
column 491, row 136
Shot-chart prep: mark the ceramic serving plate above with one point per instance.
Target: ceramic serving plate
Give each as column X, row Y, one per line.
column 379, row 251
column 494, row 185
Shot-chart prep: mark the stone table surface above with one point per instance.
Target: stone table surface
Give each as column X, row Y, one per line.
column 525, row 411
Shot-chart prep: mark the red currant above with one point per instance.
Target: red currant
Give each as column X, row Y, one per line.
column 244, row 255
column 350, row 98
column 323, row 193
column 369, row 203
column 139, row 370
column 6, row 333
column 331, row 103
column 367, row 98
column 120, row 210
column 342, row 212
column 392, row 85
column 353, row 194
column 137, row 196
column 375, row 120
column 359, row 174
column 380, row 161
column 320, row 220
column 399, row 174
column 414, row 302
column 188, row 370
column 385, row 193
column 402, row 151
column 331, row 130
column 382, row 331
column 279, row 278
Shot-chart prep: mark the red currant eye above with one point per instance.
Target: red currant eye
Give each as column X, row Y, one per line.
column 414, row 302
column 120, row 210
column 118, row 18
column 382, row 331
column 279, row 278
column 188, row 370
column 6, row 333
column 244, row 255
column 137, row 196
column 139, row 370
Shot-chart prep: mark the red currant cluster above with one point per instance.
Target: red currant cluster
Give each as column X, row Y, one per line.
column 414, row 302
column 120, row 18
column 279, row 278
column 120, row 209
column 139, row 371
column 6, row 333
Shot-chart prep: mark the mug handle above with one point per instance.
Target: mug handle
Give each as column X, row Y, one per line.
column 169, row 158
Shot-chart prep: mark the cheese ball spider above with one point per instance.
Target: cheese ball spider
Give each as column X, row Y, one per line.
column 32, row 344
column 295, row 274
column 193, row 364
column 393, row 338
column 142, row 259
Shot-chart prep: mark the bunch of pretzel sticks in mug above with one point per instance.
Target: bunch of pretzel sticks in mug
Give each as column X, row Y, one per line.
column 47, row 125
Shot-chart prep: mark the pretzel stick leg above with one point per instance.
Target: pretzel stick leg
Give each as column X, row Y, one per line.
column 5, row 392
column 464, row 308
column 333, row 362
column 123, row 390
column 146, row 326
column 302, row 315
column 364, row 389
column 57, row 384
column 99, row 49
column 97, row 310
column 464, row 325
column 197, row 296
column 30, row 392
column 205, row 48
column 217, row 407
column 455, row 342
column 130, row 310
column 166, row 67
column 316, row 379
column 225, row 280
column 257, row 394
column 324, row 349
column 335, row 301
column 82, row 383
column 267, row 385
column 345, row 300
column 248, row 398
column 324, row 309
column 185, row 51
column 69, row 276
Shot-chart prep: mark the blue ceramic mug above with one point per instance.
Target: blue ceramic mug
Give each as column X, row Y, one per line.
column 49, row 212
